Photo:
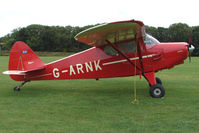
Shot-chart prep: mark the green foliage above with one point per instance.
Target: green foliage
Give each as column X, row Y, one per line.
column 47, row 38
column 195, row 39
column 59, row 38
column 179, row 32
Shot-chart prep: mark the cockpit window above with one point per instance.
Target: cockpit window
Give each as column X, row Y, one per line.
column 130, row 47
column 150, row 41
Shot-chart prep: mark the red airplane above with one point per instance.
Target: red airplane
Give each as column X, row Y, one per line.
column 119, row 49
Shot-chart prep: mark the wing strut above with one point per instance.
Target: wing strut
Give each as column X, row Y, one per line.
column 140, row 55
column 121, row 53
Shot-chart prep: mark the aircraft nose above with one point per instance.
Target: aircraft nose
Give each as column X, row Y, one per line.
column 183, row 50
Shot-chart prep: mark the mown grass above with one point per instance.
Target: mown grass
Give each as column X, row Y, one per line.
column 104, row 106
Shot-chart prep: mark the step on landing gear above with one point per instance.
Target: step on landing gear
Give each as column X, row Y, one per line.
column 18, row 88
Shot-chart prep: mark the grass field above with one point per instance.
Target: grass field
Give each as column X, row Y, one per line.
column 104, row 106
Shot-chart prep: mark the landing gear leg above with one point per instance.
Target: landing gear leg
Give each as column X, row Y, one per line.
column 156, row 89
column 18, row 88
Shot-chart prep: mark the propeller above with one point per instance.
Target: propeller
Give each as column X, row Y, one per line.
column 190, row 47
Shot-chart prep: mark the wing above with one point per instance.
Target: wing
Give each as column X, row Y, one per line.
column 113, row 32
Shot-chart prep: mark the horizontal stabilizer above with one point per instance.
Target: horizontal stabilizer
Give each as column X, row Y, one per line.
column 18, row 72
column 14, row 72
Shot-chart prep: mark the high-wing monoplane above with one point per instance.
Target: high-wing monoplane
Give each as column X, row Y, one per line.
column 119, row 49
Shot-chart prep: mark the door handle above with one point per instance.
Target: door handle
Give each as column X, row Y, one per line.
column 157, row 57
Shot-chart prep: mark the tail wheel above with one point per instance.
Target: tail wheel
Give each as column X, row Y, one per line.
column 17, row 88
column 157, row 91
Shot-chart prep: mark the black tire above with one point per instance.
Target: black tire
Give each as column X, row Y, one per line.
column 17, row 88
column 158, row 80
column 157, row 91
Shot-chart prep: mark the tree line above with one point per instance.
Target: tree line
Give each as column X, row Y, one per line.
column 60, row 38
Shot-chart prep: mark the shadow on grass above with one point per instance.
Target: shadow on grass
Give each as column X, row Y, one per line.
column 81, row 87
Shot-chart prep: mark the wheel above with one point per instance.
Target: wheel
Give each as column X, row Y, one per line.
column 157, row 91
column 158, row 80
column 17, row 88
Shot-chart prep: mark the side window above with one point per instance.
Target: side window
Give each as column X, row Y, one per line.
column 128, row 47
column 110, row 51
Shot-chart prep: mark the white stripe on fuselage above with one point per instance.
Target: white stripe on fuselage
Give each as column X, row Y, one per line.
column 119, row 61
column 64, row 71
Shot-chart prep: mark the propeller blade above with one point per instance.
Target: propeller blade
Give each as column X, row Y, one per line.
column 190, row 47
column 189, row 38
column 189, row 57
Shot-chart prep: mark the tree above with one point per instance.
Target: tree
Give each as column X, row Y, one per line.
column 178, row 32
column 195, row 40
column 162, row 34
column 59, row 38
column 151, row 30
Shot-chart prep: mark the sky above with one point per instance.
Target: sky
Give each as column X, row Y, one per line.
column 158, row 13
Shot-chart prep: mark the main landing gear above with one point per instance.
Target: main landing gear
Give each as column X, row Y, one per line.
column 18, row 88
column 156, row 89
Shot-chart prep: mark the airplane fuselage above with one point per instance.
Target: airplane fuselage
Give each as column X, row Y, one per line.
column 94, row 63
column 119, row 49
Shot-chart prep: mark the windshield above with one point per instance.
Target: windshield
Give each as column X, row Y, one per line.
column 150, row 41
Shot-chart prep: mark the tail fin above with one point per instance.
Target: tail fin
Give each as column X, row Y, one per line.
column 22, row 59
